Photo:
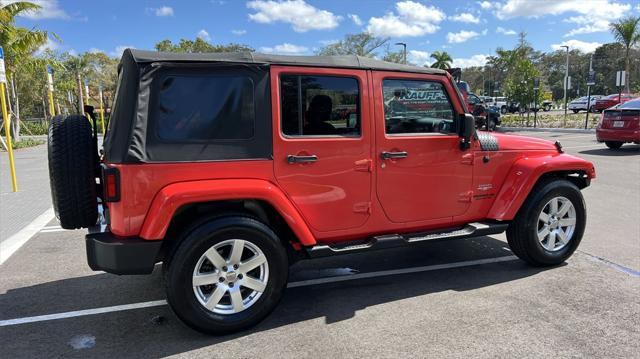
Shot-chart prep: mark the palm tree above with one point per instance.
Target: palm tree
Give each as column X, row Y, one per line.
column 443, row 60
column 18, row 43
column 627, row 33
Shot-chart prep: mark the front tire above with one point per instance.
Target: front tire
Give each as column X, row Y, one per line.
column 226, row 275
column 549, row 226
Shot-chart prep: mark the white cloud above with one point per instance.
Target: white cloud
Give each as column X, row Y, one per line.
column 420, row 58
column 410, row 19
column 582, row 46
column 239, row 32
column 117, row 52
column 302, row 16
column 49, row 45
column 329, row 42
column 593, row 15
column 50, row 10
column 355, row 18
column 502, row 30
column 475, row 60
column 460, row 37
column 94, row 50
column 466, row 17
column 204, row 35
column 285, row 49
column 163, row 11
column 486, row 5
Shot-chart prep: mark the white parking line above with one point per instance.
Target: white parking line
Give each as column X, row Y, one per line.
column 303, row 283
column 13, row 243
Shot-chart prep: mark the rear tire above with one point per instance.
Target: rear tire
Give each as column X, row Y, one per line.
column 530, row 233
column 576, row 111
column 72, row 171
column 213, row 307
column 614, row 145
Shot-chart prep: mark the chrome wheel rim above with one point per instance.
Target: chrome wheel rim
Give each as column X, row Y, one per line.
column 230, row 276
column 556, row 224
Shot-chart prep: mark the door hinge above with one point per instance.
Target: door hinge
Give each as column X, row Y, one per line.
column 363, row 165
column 362, row 207
column 467, row 159
column 465, row 197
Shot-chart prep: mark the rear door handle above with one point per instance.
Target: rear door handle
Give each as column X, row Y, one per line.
column 391, row 155
column 301, row 159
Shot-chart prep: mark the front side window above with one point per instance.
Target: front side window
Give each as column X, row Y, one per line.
column 204, row 108
column 416, row 106
column 319, row 105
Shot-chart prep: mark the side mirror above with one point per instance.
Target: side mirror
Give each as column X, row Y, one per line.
column 467, row 130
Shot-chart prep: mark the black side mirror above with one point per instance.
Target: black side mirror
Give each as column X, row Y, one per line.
column 467, row 130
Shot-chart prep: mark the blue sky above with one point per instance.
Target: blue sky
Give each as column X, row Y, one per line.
column 468, row 30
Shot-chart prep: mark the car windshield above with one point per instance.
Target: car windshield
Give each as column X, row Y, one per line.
column 634, row 104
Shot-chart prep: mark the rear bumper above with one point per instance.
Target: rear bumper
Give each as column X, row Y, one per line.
column 605, row 134
column 111, row 254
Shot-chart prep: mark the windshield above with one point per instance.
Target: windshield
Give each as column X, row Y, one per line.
column 634, row 104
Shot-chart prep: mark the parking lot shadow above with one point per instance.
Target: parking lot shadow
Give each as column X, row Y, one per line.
column 156, row 331
column 626, row 150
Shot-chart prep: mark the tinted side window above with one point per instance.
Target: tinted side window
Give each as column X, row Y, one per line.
column 319, row 105
column 202, row 108
column 414, row 106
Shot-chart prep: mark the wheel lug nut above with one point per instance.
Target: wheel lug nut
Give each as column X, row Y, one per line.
column 221, row 279
column 235, row 266
column 239, row 276
column 231, row 284
column 224, row 269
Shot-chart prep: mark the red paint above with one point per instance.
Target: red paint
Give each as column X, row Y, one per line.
column 629, row 130
column 612, row 100
column 347, row 194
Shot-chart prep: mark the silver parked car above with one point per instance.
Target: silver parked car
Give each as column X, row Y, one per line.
column 580, row 104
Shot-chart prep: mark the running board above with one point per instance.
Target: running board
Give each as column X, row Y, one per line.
column 398, row 240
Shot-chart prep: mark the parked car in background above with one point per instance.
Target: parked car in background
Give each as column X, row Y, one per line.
column 580, row 104
column 611, row 100
column 486, row 116
column 620, row 124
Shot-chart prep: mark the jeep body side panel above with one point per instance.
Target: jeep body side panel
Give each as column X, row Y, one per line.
column 141, row 183
column 524, row 174
column 175, row 195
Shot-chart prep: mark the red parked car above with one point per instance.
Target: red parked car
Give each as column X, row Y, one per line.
column 229, row 167
column 620, row 124
column 611, row 100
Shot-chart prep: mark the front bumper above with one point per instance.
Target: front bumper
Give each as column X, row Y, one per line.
column 621, row 135
column 111, row 254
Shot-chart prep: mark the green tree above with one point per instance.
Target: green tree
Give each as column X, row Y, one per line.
column 363, row 44
column 19, row 44
column 199, row 46
column 627, row 33
column 443, row 60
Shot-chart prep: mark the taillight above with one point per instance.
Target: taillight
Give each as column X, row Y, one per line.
column 111, row 184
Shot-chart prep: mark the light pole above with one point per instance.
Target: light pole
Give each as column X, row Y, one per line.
column 404, row 51
column 566, row 79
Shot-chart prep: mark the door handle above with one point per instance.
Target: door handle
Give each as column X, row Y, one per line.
column 291, row 159
column 393, row 155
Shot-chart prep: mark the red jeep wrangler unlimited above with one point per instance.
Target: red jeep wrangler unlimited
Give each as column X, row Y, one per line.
column 228, row 167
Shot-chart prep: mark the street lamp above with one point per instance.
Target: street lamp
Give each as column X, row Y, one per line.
column 566, row 80
column 404, row 51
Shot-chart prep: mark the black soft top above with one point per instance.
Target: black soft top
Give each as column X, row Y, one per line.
column 345, row 61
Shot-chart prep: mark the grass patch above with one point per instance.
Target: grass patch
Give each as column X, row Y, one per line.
column 551, row 120
column 24, row 143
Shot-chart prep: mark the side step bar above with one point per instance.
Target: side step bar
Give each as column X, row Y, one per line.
column 398, row 240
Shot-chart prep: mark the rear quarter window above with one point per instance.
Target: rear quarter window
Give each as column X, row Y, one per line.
column 204, row 108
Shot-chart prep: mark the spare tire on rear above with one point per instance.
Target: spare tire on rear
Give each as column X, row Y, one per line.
column 72, row 171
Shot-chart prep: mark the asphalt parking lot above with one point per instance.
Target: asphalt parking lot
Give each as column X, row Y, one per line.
column 443, row 299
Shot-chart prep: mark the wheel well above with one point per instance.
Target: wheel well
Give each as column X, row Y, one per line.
column 577, row 177
column 260, row 210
